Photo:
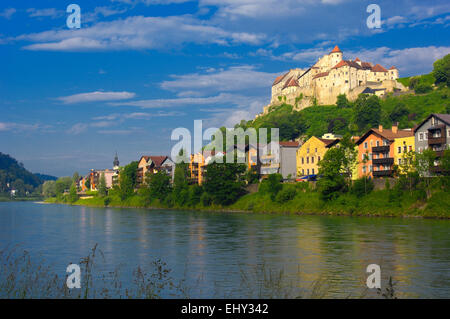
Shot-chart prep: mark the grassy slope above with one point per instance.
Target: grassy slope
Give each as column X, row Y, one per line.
column 318, row 118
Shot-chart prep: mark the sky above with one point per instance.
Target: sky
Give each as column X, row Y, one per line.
column 137, row 69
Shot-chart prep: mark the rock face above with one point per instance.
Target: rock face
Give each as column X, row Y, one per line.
column 330, row 76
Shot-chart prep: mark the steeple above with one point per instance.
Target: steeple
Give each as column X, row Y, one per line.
column 116, row 162
column 336, row 49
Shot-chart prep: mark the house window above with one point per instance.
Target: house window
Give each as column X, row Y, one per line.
column 303, row 160
column 307, row 171
column 426, row 136
column 378, row 143
column 316, row 150
column 399, row 161
column 420, row 136
column 404, row 149
column 364, row 169
column 313, row 171
column 312, row 159
column 307, row 160
column 318, row 158
column 365, row 145
column 410, row 148
column 399, row 149
column 307, row 150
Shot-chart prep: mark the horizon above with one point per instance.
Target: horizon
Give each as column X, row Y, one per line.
column 136, row 70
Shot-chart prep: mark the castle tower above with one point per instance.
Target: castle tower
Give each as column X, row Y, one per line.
column 116, row 162
column 335, row 56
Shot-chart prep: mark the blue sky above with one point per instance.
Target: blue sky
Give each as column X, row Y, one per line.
column 137, row 69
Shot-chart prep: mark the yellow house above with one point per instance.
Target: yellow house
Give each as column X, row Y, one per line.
column 310, row 153
column 403, row 145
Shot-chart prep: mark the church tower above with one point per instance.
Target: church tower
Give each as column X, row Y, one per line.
column 116, row 163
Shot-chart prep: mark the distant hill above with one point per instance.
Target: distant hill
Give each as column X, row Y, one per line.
column 45, row 178
column 13, row 175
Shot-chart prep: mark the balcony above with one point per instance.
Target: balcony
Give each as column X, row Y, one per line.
column 380, row 149
column 385, row 173
column 439, row 127
column 436, row 140
column 383, row 161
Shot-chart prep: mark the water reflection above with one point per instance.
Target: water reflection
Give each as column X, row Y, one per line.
column 218, row 248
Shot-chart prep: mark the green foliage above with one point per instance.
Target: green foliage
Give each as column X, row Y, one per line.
column 441, row 71
column 15, row 174
column 102, row 190
column 271, row 185
column 342, row 101
column 49, row 189
column 362, row 186
column 332, row 182
column 73, row 197
column 63, row 184
column 224, row 182
column 367, row 111
column 195, row 195
column 286, row 194
column 159, row 185
column 181, row 183
column 127, row 180
column 422, row 88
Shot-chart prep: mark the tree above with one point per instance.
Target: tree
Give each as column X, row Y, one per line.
column 87, row 183
column 159, row 185
column 349, row 158
column 272, row 185
column 102, row 190
column 407, row 170
column 127, row 180
column 76, row 178
column 424, row 162
column 73, row 197
column 332, row 182
column 398, row 112
column 181, row 180
column 367, row 111
column 224, row 182
column 49, row 189
column 63, row 184
column 342, row 101
column 441, row 70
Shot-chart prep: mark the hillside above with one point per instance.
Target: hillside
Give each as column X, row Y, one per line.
column 14, row 176
column 408, row 110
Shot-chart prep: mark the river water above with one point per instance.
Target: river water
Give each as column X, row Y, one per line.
column 234, row 254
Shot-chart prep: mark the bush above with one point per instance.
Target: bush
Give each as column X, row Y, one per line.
column 271, row 185
column 206, row 199
column 195, row 194
column 422, row 88
column 286, row 194
column 362, row 186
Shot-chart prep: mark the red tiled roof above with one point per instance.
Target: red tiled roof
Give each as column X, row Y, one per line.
column 319, row 75
column 357, row 59
column 336, row 49
column 393, row 68
column 291, row 82
column 158, row 160
column 289, row 144
column 328, row 142
column 387, row 134
column 378, row 68
column 366, row 65
column 279, row 79
column 352, row 64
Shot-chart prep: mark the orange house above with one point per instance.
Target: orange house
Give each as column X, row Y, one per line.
column 376, row 151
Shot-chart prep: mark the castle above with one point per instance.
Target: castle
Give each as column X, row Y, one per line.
column 330, row 76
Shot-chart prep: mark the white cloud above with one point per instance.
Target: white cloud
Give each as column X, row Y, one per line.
column 236, row 78
column 8, row 13
column 409, row 61
column 222, row 98
column 97, row 96
column 78, row 129
column 48, row 12
column 137, row 32
column 19, row 127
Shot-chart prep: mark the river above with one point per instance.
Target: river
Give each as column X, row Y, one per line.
column 228, row 254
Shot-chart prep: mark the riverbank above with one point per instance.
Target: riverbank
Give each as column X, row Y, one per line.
column 380, row 203
column 21, row 199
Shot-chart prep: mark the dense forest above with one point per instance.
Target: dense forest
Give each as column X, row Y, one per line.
column 14, row 176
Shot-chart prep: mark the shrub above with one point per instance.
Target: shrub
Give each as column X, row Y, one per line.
column 422, row 88
column 271, row 185
column 206, row 199
column 362, row 186
column 286, row 194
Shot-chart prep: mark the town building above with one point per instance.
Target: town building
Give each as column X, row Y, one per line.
column 311, row 153
column 198, row 163
column 153, row 165
column 376, row 150
column 433, row 133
